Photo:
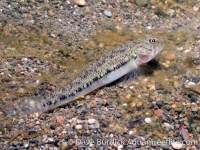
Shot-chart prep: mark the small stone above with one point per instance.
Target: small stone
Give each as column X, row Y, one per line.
column 131, row 87
column 87, row 97
column 141, row 3
column 171, row 57
column 107, row 13
column 51, row 13
column 149, row 27
column 40, row 1
column 147, row 120
column 132, row 105
column 26, row 144
column 177, row 145
column 130, row 132
column 119, row 147
column 78, row 127
column 195, row 108
column 21, row 91
column 193, row 98
column 79, row 2
column 191, row 83
column 64, row 145
column 167, row 125
column 15, row 143
column 170, row 12
column 152, row 88
column 195, row 80
column 195, row 8
column 139, row 104
column 128, row 96
column 60, row 120
column 37, row 122
column 91, row 121
column 158, row 112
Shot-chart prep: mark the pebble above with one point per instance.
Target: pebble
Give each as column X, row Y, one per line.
column 79, row 2
column 131, row 87
column 139, row 104
column 87, row 97
column 119, row 147
column 167, row 125
column 37, row 122
column 26, row 144
column 64, row 145
column 171, row 57
column 176, row 145
column 195, row 8
column 195, row 108
column 147, row 120
column 60, row 120
column 15, row 143
column 78, row 127
column 141, row 3
column 91, row 121
column 191, row 83
column 130, row 132
column 107, row 13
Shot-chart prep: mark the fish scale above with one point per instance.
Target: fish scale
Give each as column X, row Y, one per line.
column 107, row 69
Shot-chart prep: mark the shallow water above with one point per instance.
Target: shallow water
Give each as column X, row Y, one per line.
column 36, row 61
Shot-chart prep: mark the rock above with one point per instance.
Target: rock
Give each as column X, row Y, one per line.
column 51, row 13
column 167, row 125
column 107, row 13
column 78, row 127
column 87, row 97
column 195, row 8
column 141, row 3
column 195, row 79
column 64, row 145
column 170, row 12
column 37, row 122
column 60, row 120
column 194, row 108
column 119, row 147
column 40, row 1
column 147, row 120
column 21, row 91
column 91, row 121
column 193, row 98
column 26, row 144
column 177, row 145
column 171, row 57
column 15, row 143
column 79, row 2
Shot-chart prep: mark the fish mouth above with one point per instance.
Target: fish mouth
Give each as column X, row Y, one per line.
column 146, row 57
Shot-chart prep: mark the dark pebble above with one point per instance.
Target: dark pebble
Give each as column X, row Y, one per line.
column 40, row 1
column 183, row 79
column 53, row 126
column 136, row 122
column 159, row 104
column 34, row 142
column 168, row 107
column 195, row 79
column 192, row 98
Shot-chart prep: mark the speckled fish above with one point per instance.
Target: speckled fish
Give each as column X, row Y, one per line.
column 107, row 69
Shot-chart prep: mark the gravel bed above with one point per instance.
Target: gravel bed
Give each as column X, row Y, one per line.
column 45, row 43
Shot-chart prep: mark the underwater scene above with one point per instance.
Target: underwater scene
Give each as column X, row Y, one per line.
column 100, row 74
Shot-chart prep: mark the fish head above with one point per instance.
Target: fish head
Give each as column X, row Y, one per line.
column 147, row 49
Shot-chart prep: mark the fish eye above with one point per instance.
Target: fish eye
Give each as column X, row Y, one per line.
column 135, row 56
column 152, row 40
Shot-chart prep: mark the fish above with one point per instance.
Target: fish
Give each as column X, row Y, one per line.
column 108, row 68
